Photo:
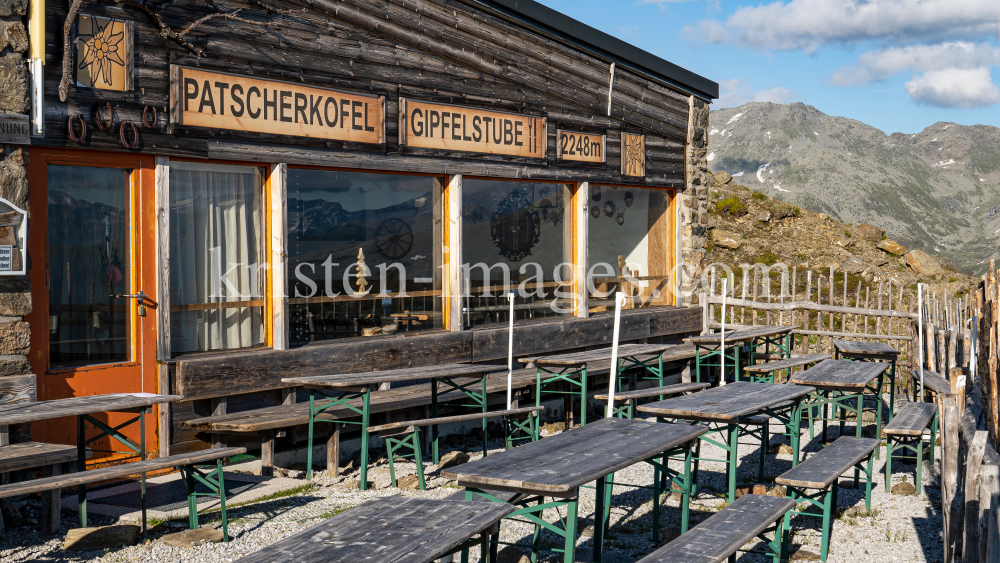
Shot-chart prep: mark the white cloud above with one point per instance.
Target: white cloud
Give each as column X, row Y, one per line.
column 880, row 65
column 736, row 92
column 808, row 24
column 954, row 88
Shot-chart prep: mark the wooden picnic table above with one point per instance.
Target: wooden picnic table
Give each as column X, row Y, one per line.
column 83, row 408
column 727, row 347
column 390, row 530
column 343, row 388
column 557, row 467
column 840, row 383
column 728, row 407
column 866, row 351
column 572, row 369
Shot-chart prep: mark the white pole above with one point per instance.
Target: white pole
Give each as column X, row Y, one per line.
column 722, row 339
column 619, row 301
column 510, row 350
column 920, row 334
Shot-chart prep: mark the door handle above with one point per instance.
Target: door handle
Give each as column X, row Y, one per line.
column 139, row 297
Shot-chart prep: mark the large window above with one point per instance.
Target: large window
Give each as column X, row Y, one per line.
column 218, row 268
column 629, row 247
column 364, row 252
column 516, row 236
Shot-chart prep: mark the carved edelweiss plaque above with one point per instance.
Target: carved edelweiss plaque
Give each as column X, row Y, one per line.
column 633, row 154
column 103, row 53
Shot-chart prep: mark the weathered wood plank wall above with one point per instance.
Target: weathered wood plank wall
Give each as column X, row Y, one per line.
column 437, row 50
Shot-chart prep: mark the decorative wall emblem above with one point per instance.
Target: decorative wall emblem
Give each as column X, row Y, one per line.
column 103, row 53
column 515, row 227
column 633, row 154
column 394, row 238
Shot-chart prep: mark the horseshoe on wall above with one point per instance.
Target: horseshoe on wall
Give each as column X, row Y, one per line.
column 135, row 135
column 69, row 129
column 145, row 117
column 97, row 117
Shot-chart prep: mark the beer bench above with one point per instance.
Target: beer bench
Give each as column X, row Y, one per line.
column 265, row 422
column 185, row 462
column 628, row 399
column 906, row 432
column 933, row 381
column 822, row 472
column 406, row 434
column 725, row 532
column 765, row 372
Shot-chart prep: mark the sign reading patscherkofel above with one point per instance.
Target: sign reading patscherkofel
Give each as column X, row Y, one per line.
column 200, row 98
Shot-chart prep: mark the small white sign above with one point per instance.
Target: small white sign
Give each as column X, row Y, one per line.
column 6, row 257
column 960, row 384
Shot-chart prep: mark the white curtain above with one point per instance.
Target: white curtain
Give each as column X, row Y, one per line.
column 216, row 257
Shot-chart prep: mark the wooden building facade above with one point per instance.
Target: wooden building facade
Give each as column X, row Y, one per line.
column 226, row 193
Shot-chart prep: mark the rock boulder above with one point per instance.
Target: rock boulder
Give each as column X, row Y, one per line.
column 891, row 246
column 727, row 239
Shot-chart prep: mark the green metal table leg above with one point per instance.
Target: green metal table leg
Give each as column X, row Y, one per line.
column 569, row 555
column 81, row 466
column 599, row 510
column 365, row 413
column 827, row 523
column 434, row 429
column 734, row 459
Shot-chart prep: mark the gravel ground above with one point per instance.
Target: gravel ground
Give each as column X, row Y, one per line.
column 898, row 528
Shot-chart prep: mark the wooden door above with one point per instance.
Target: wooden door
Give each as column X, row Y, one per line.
column 91, row 245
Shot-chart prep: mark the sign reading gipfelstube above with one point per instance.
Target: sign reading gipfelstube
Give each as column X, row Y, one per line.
column 201, row 98
column 457, row 128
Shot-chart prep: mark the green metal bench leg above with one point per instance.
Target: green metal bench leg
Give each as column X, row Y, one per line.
column 600, row 508
column 583, row 398
column 934, row 429
column 411, row 441
column 419, row 459
column 734, row 460
column 920, row 460
column 764, row 440
column 888, row 462
column 189, row 486
column 569, row 555
column 828, row 507
column 222, row 502
column 391, row 450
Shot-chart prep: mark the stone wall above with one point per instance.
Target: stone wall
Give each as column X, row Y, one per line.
column 694, row 203
column 15, row 293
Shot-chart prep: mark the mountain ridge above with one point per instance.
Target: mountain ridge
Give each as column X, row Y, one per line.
column 937, row 190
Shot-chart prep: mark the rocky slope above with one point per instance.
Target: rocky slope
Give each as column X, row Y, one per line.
column 937, row 190
column 748, row 227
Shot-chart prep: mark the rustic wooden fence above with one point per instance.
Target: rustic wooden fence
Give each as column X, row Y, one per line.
column 970, row 480
column 827, row 304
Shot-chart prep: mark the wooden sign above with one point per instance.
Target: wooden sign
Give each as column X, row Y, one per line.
column 103, row 53
column 633, row 154
column 457, row 128
column 580, row 147
column 14, row 129
column 200, row 98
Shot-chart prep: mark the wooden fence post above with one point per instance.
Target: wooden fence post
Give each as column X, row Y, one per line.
column 973, row 464
column 989, row 505
column 949, row 478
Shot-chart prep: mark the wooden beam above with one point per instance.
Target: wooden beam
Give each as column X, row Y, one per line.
column 453, row 287
column 581, row 244
column 279, row 290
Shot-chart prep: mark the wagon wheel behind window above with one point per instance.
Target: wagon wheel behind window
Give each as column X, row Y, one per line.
column 394, row 238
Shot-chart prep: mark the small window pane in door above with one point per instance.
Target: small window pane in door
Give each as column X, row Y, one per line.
column 89, row 260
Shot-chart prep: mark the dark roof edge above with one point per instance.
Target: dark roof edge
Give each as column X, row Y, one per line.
column 608, row 47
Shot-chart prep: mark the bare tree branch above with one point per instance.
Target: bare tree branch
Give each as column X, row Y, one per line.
column 67, row 64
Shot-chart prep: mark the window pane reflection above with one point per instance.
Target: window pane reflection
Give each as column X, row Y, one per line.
column 89, row 260
column 515, row 236
column 629, row 247
column 363, row 254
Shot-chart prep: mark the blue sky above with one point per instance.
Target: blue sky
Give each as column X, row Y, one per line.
column 898, row 65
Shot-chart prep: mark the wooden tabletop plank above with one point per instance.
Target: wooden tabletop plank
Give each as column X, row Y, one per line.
column 57, row 408
column 116, row 471
column 793, row 362
column 655, row 391
column 840, row 374
column 387, row 530
column 743, row 334
column 575, row 358
column 859, row 348
column 911, row 420
column 820, row 470
column 724, row 532
column 26, row 455
column 726, row 403
column 932, row 380
column 390, row 375
column 562, row 463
